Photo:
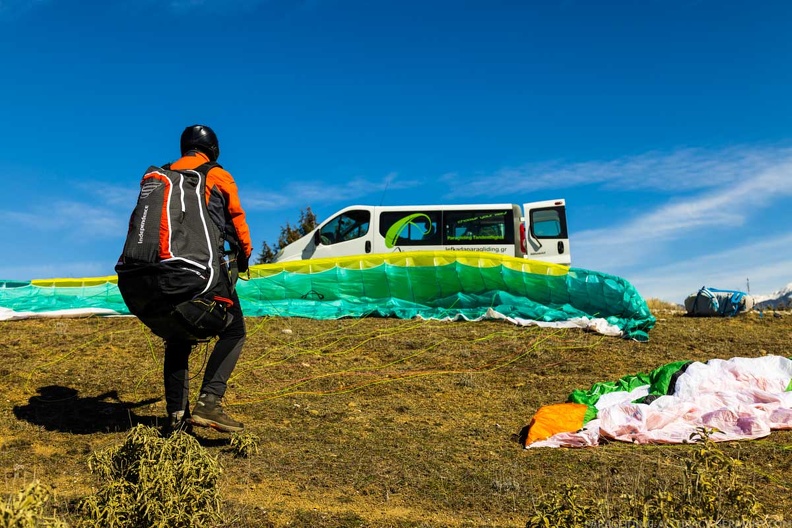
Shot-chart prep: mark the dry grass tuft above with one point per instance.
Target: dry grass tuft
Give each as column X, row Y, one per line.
column 153, row 481
column 712, row 492
column 29, row 509
column 244, row 445
column 658, row 306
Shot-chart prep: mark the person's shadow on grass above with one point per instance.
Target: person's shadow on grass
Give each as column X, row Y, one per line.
column 58, row 408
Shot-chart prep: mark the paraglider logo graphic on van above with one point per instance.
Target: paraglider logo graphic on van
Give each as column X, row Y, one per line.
column 396, row 229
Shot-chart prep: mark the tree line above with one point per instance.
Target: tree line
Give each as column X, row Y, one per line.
column 288, row 234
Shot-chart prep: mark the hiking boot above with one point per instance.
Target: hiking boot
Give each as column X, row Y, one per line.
column 177, row 421
column 209, row 413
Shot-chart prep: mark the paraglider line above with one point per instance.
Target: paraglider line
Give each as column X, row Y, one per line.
column 292, row 389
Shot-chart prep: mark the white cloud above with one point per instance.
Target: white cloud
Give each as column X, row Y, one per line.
column 113, row 195
column 74, row 218
column 729, row 205
column 59, row 269
column 267, row 201
column 106, row 215
column 672, row 246
column 304, row 193
column 766, row 265
column 677, row 171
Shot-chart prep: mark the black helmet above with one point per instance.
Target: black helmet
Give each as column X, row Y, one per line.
column 202, row 138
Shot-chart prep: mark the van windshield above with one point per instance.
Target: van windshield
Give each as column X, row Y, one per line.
column 346, row 226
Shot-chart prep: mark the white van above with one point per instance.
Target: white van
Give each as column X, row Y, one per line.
column 537, row 231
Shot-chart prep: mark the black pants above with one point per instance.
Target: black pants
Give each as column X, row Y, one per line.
column 219, row 366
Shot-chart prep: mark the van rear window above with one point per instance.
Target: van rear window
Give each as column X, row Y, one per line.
column 479, row 227
column 548, row 223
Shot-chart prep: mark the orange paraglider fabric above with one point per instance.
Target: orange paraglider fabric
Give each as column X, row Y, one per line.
column 554, row 419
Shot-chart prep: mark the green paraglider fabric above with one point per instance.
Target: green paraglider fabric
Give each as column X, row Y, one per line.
column 659, row 382
column 591, row 396
column 427, row 284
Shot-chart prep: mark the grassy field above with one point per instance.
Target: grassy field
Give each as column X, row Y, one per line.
column 369, row 422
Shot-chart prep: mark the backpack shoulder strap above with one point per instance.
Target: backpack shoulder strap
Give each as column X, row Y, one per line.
column 203, row 169
column 206, row 167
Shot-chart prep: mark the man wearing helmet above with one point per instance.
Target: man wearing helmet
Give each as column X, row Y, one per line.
column 199, row 145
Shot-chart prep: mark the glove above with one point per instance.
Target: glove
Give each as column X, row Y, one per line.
column 242, row 263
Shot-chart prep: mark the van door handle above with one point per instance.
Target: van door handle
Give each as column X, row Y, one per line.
column 368, row 246
column 560, row 248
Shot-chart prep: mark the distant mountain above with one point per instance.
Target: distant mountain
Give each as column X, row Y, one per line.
column 780, row 299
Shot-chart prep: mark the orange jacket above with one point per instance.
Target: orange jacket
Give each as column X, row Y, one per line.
column 221, row 191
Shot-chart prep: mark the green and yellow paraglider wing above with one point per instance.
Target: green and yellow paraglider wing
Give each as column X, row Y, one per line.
column 429, row 284
column 60, row 298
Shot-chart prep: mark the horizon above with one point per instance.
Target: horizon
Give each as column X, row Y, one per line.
column 663, row 126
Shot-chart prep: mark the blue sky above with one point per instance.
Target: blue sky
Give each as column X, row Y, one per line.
column 664, row 124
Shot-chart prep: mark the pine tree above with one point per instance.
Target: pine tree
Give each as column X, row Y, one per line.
column 288, row 234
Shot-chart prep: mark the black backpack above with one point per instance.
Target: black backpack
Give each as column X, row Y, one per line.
column 173, row 273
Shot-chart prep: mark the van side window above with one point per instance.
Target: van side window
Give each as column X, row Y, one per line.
column 548, row 223
column 346, row 226
column 410, row 228
column 479, row 227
